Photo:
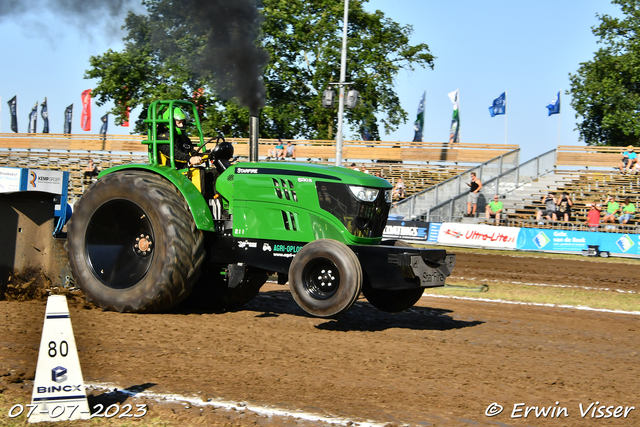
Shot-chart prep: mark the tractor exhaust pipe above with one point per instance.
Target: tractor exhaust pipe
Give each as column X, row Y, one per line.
column 254, row 128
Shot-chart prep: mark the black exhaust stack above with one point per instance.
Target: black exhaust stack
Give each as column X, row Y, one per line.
column 254, row 130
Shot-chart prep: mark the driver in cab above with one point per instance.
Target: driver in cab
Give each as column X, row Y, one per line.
column 183, row 153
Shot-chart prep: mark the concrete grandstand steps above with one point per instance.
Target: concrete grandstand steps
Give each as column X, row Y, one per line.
column 524, row 195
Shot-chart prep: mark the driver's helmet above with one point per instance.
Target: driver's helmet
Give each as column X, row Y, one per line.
column 178, row 114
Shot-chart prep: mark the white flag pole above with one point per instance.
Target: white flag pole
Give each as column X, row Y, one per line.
column 505, row 117
column 559, row 116
column 459, row 134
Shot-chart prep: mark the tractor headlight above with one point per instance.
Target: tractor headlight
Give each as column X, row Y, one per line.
column 364, row 194
column 388, row 196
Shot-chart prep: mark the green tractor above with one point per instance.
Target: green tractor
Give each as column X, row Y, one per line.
column 145, row 237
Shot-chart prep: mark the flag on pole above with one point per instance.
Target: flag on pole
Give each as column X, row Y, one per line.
column 44, row 112
column 33, row 119
column 13, row 109
column 125, row 120
column 419, row 123
column 499, row 105
column 105, row 124
column 68, row 117
column 454, row 134
column 85, row 117
column 365, row 132
column 554, row 107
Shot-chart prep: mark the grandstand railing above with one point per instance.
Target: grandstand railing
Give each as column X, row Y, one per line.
column 323, row 150
column 570, row 226
column 502, row 173
column 507, row 182
column 448, row 200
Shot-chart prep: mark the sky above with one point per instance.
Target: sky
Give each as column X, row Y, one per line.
column 524, row 48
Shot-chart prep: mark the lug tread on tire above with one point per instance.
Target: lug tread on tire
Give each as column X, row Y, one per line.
column 177, row 255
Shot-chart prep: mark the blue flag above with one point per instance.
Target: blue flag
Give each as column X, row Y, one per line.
column 554, row 107
column 499, row 105
column 105, row 124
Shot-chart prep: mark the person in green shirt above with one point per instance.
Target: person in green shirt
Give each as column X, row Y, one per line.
column 494, row 209
column 612, row 209
column 628, row 211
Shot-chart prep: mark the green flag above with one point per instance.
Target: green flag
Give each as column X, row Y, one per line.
column 419, row 123
column 454, row 134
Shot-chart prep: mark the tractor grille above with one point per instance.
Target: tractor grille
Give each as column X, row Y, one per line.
column 362, row 219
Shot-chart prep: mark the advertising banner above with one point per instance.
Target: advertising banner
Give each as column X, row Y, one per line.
column 10, row 179
column 478, row 235
column 45, row 180
column 48, row 181
column 410, row 230
column 434, row 229
column 576, row 241
column 85, row 116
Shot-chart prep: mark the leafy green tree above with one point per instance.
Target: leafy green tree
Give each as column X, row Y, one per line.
column 172, row 52
column 606, row 90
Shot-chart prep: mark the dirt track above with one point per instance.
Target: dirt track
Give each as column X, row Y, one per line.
column 441, row 363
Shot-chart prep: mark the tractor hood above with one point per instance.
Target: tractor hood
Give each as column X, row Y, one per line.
column 302, row 201
column 311, row 171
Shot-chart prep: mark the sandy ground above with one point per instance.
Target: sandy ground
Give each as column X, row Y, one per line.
column 444, row 362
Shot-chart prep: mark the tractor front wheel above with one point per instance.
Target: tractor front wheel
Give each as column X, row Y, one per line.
column 325, row 278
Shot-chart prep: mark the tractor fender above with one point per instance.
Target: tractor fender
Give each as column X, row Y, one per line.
column 197, row 203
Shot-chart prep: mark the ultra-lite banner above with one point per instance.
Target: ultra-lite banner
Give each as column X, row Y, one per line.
column 478, row 235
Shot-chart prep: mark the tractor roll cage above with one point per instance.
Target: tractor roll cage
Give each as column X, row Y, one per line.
column 154, row 120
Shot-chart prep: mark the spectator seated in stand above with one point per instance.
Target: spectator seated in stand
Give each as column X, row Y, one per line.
column 90, row 172
column 549, row 211
column 399, row 189
column 563, row 210
column 628, row 161
column 612, row 209
column 289, row 151
column 276, row 152
column 494, row 209
column 627, row 211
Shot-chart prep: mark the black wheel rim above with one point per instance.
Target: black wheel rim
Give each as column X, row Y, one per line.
column 120, row 244
column 321, row 279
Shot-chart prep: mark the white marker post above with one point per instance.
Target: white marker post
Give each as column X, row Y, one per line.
column 58, row 389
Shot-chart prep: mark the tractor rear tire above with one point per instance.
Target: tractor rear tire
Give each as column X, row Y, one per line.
column 212, row 291
column 133, row 244
column 392, row 301
column 325, row 278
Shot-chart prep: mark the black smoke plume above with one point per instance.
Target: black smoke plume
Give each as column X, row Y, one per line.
column 232, row 55
column 231, row 28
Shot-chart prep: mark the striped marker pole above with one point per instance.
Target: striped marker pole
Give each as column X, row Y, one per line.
column 58, row 388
